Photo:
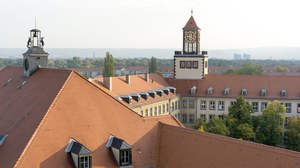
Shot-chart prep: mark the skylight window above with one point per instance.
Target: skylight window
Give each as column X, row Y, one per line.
column 226, row 91
column 283, row 93
column 2, row 138
column 263, row 92
column 81, row 155
column 193, row 90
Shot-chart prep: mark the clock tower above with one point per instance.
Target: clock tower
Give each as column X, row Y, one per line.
column 190, row 63
column 35, row 57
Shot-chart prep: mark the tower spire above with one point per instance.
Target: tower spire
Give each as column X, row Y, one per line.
column 192, row 12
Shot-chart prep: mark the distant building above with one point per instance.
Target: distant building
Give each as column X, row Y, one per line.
column 237, row 56
column 246, row 57
column 88, row 72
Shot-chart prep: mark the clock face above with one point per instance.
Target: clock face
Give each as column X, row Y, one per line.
column 190, row 37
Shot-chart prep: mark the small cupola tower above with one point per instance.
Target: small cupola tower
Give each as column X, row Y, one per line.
column 35, row 57
column 190, row 63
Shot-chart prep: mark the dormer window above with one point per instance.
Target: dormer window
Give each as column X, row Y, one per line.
column 136, row 97
column 193, row 90
column 166, row 91
column 226, row 91
column 126, row 98
column 79, row 154
column 283, row 93
column 159, row 92
column 152, row 93
column 263, row 92
column 172, row 89
column 210, row 91
column 2, row 138
column 121, row 151
column 144, row 95
column 244, row 92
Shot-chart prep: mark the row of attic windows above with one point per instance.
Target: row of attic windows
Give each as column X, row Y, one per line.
column 145, row 95
column 244, row 91
column 81, row 156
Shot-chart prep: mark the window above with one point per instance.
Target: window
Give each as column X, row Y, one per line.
column 203, row 117
column 167, row 106
column 191, row 119
column 286, row 120
column 255, row 106
column 212, row 105
column 283, row 93
column 232, row 103
column 184, row 118
column 263, row 92
column 221, row 105
column 182, row 64
column 189, row 64
column 146, row 112
column 226, row 91
column 195, row 64
column 263, row 105
column 221, row 117
column 210, row 90
column 298, row 108
column 151, row 111
column 202, row 105
column 173, row 106
column 159, row 110
column 192, row 104
column 206, row 64
column 288, row 107
column 125, row 157
column 176, row 105
column 184, row 104
column 84, row 162
column 155, row 111
column 211, row 117
column 164, row 108
column 142, row 113
column 193, row 90
column 244, row 92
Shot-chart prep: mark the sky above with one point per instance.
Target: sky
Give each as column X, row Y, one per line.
column 229, row 24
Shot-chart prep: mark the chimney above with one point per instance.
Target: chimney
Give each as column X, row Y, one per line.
column 128, row 79
column 107, row 82
column 147, row 77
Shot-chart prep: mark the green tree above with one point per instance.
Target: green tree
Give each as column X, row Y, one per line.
column 239, row 121
column 270, row 124
column 109, row 62
column 241, row 111
column 250, row 69
column 153, row 65
column 217, row 126
column 292, row 135
column 245, row 131
column 281, row 69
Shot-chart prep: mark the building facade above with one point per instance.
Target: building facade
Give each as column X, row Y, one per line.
column 204, row 95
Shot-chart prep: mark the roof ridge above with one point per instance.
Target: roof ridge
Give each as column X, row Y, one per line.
column 42, row 121
column 240, row 142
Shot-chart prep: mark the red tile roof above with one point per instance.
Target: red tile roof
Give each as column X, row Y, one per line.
column 253, row 83
column 178, row 147
column 55, row 105
column 191, row 24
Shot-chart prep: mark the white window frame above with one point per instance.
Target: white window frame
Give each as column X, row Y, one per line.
column 84, row 161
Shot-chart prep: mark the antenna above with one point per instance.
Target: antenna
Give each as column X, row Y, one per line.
column 192, row 11
column 34, row 22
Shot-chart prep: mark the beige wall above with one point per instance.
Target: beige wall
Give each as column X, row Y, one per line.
column 145, row 109
column 197, row 111
column 189, row 73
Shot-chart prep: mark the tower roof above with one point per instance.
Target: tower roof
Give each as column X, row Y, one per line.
column 191, row 24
